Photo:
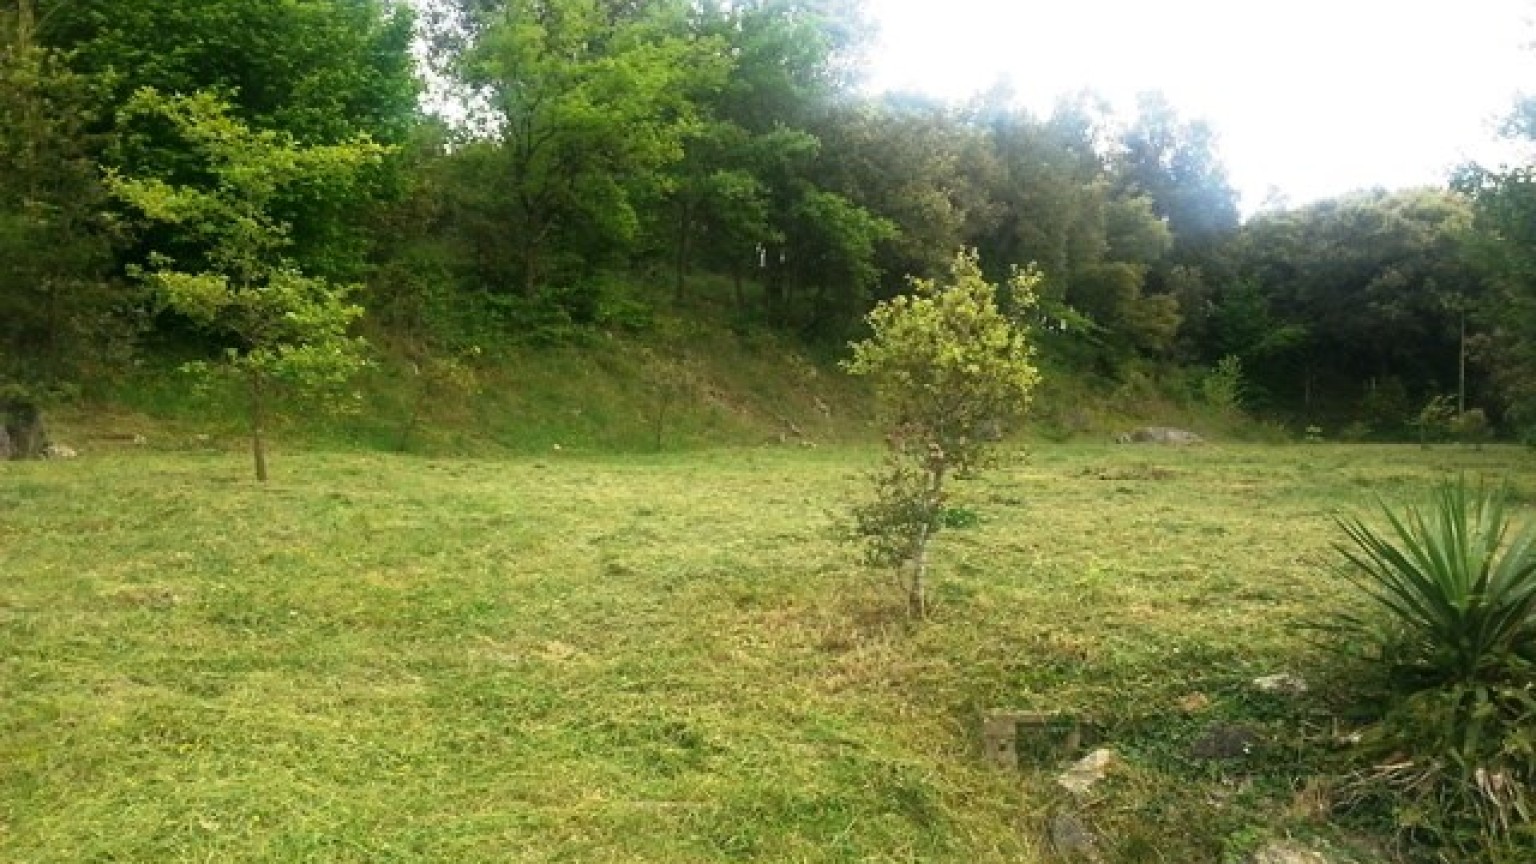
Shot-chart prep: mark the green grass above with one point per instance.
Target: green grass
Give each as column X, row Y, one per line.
column 573, row 657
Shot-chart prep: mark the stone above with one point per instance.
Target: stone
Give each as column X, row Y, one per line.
column 1160, row 435
column 1072, row 839
column 1283, row 684
column 1225, row 742
column 1086, row 772
column 59, row 451
column 1287, row 852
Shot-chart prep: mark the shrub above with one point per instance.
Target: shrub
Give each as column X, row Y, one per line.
column 1453, row 588
column 1222, row 388
column 1457, row 587
column 951, row 371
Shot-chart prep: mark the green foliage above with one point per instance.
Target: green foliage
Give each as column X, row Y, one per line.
column 323, row 71
column 1222, row 387
column 951, row 372
column 1348, row 290
column 1471, row 427
column 1433, row 421
column 1385, row 407
column 590, row 109
column 1454, row 767
column 232, row 277
column 1454, row 588
column 62, row 320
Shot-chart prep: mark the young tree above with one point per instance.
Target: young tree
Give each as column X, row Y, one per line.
column 951, row 371
column 227, row 269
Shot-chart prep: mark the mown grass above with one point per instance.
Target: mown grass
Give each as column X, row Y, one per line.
column 658, row 658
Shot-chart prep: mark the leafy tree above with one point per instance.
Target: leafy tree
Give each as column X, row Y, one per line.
column 591, row 106
column 1502, row 245
column 901, row 157
column 950, row 371
column 1174, row 163
column 320, row 71
column 1351, row 290
column 59, row 314
column 228, row 270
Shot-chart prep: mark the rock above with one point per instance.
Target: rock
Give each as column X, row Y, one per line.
column 1284, row 684
column 1287, row 852
column 1225, row 742
column 1160, row 435
column 1086, row 772
column 59, row 451
column 1072, row 839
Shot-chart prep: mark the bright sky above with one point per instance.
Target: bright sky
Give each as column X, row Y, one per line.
column 1313, row 97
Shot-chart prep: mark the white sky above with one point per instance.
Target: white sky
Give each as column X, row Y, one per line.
column 1313, row 97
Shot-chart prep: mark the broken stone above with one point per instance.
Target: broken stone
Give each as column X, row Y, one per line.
column 1283, row 684
column 1086, row 772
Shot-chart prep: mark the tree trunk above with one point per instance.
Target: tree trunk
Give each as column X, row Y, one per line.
column 258, row 421
column 917, row 591
column 917, row 600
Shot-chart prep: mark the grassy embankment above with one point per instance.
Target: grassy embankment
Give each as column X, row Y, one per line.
column 585, row 657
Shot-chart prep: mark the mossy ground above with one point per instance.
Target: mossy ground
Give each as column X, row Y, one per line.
column 581, row 657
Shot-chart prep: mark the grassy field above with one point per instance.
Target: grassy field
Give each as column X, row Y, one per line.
column 671, row 658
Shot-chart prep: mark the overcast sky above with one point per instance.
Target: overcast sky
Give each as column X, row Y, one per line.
column 1314, row 97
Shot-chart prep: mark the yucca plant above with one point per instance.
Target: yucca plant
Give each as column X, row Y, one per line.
column 1458, row 586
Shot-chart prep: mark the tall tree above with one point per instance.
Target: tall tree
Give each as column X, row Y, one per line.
column 1503, row 243
column 1370, row 280
column 319, row 71
column 59, row 315
column 591, row 106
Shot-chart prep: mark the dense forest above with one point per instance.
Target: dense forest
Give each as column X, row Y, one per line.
column 264, row 182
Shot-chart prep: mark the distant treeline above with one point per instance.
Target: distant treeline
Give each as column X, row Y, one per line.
column 610, row 156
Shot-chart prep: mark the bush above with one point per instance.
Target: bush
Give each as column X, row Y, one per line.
column 1453, row 594
column 1456, row 588
column 952, row 372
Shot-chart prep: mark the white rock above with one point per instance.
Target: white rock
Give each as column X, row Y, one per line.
column 1086, row 771
column 1284, row 684
column 59, row 451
